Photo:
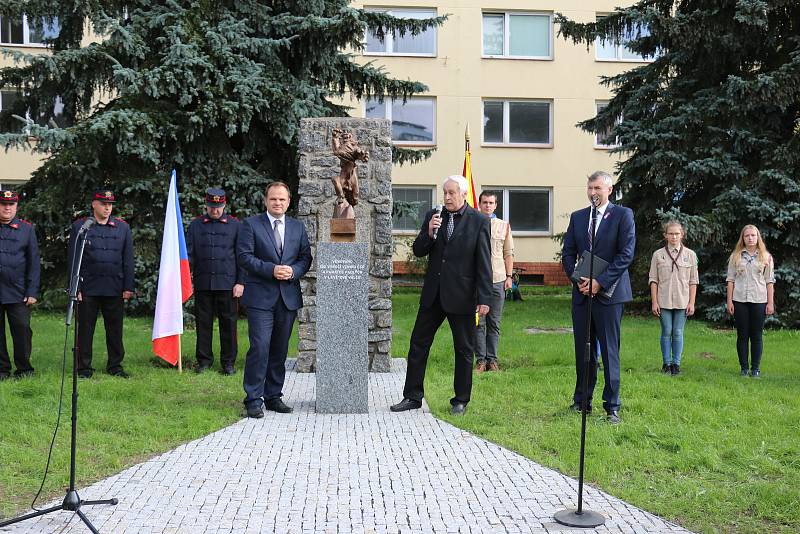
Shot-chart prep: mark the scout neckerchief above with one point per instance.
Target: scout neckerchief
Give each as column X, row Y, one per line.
column 676, row 258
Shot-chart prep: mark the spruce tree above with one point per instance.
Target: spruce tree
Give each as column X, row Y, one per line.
column 214, row 89
column 708, row 131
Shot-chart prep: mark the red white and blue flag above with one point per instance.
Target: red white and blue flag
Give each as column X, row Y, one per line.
column 174, row 283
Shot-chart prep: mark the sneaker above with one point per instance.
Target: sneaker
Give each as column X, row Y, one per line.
column 480, row 367
column 743, row 372
column 666, row 368
column 492, row 366
column 676, row 369
column 755, row 373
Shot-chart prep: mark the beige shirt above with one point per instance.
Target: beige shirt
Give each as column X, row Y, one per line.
column 750, row 279
column 674, row 279
column 502, row 245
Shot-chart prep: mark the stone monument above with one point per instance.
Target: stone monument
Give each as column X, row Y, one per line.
column 350, row 159
column 342, row 328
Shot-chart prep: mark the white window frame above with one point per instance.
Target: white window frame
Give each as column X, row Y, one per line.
column 387, row 114
column 389, row 38
column 506, row 190
column 428, row 187
column 26, row 35
column 507, row 34
column 597, row 144
column 618, row 48
column 507, row 125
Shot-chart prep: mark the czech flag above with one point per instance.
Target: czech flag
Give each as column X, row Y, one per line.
column 174, row 283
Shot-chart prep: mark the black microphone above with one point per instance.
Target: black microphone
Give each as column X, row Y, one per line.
column 90, row 221
column 438, row 208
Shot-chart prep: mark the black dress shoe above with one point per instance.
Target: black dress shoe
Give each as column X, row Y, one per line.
column 4, row 376
column 613, row 417
column 255, row 412
column 228, row 370
column 458, row 408
column 85, row 374
column 23, row 374
column 676, row 369
column 119, row 373
column 405, row 405
column 277, row 405
column 576, row 407
column 200, row 369
column 666, row 368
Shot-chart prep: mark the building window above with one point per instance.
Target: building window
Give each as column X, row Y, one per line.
column 413, row 122
column 518, row 35
column 611, row 51
column 393, row 44
column 7, row 101
column 528, row 210
column 517, row 122
column 410, row 206
column 605, row 139
column 22, row 31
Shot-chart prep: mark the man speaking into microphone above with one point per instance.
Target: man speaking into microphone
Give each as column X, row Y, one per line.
column 614, row 241
column 458, row 283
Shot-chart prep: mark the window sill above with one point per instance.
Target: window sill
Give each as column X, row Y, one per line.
column 516, row 145
column 20, row 45
column 395, row 54
column 413, row 144
column 531, row 233
column 605, row 147
column 408, row 233
column 615, row 60
column 516, row 58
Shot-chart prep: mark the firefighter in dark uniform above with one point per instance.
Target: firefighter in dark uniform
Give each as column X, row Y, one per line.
column 211, row 244
column 19, row 285
column 106, row 282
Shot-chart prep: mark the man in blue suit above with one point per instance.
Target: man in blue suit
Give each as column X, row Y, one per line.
column 274, row 252
column 614, row 241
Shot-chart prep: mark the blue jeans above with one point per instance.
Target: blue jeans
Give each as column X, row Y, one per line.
column 672, row 323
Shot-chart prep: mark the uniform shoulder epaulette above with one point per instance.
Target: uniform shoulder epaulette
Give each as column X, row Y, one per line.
column 119, row 220
column 234, row 218
column 198, row 217
column 26, row 222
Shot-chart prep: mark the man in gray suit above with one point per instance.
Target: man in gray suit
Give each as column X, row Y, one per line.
column 274, row 252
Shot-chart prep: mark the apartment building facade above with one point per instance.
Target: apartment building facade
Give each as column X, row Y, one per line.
column 499, row 68
column 496, row 67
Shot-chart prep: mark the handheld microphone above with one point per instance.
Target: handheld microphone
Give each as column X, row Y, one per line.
column 438, row 208
column 90, row 221
column 595, row 200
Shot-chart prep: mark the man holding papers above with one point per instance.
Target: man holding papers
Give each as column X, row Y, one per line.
column 613, row 242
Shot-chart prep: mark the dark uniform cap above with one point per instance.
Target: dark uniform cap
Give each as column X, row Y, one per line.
column 8, row 197
column 104, row 195
column 215, row 197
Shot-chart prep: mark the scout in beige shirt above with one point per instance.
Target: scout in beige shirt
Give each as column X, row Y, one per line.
column 751, row 296
column 673, row 288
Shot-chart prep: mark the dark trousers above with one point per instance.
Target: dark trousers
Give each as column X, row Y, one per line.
column 207, row 306
column 19, row 322
column 605, row 333
column 265, row 365
column 112, row 310
column 749, row 318
column 425, row 327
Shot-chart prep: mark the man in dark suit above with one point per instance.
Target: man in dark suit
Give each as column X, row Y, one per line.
column 614, row 241
column 211, row 244
column 274, row 252
column 458, row 283
column 107, row 281
column 19, row 285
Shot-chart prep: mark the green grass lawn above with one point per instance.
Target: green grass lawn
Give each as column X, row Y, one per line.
column 708, row 449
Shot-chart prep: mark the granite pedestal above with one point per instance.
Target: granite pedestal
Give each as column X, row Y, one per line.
column 342, row 327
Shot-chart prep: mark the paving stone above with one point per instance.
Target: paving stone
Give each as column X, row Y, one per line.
column 317, row 473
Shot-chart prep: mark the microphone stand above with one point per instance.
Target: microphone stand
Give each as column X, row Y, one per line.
column 72, row 502
column 584, row 518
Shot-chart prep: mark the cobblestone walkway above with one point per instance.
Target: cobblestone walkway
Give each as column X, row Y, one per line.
column 373, row 473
